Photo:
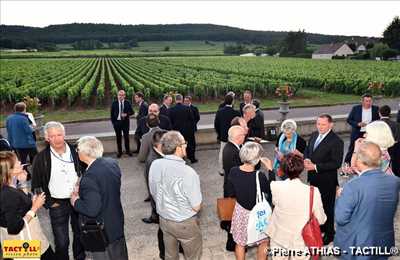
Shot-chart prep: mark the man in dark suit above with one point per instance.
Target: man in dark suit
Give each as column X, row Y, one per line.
column 164, row 109
column 256, row 125
column 142, row 127
column 222, row 123
column 121, row 110
column 182, row 120
column 247, row 99
column 394, row 151
column 196, row 116
column 323, row 156
column 99, row 196
column 230, row 93
column 366, row 207
column 230, row 159
column 143, row 110
column 360, row 116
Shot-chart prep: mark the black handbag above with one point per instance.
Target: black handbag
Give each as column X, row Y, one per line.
column 93, row 235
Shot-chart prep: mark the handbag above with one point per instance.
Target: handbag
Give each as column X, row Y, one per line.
column 258, row 217
column 225, row 207
column 311, row 232
column 93, row 236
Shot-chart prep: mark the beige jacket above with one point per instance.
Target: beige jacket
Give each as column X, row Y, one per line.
column 291, row 199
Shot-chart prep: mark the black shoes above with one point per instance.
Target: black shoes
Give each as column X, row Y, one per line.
column 221, row 173
column 136, row 151
column 327, row 239
column 119, row 155
column 147, row 199
column 150, row 220
column 129, row 154
column 193, row 160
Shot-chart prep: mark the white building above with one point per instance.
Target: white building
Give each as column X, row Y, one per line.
column 327, row 51
column 361, row 48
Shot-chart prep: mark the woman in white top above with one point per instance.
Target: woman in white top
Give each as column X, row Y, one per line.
column 292, row 201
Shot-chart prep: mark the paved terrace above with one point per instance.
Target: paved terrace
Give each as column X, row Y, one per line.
column 142, row 238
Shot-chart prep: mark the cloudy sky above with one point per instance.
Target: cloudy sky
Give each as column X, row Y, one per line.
column 366, row 18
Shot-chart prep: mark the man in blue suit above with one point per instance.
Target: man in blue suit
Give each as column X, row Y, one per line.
column 359, row 117
column 366, row 206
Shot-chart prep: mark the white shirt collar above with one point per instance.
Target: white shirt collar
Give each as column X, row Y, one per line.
column 324, row 135
column 66, row 152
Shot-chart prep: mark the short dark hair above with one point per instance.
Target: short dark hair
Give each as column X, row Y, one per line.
column 189, row 97
column 292, row 165
column 152, row 120
column 366, row 95
column 139, row 94
column 178, row 97
column 20, row 107
column 256, row 103
column 385, row 110
column 327, row 116
column 157, row 136
column 167, row 96
column 228, row 100
column 248, row 92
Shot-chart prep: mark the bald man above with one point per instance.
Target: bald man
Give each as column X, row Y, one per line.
column 121, row 110
column 365, row 208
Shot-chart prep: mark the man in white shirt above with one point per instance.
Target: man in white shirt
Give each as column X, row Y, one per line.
column 55, row 171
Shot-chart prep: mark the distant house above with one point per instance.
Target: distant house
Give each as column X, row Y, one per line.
column 247, row 54
column 361, row 48
column 327, row 51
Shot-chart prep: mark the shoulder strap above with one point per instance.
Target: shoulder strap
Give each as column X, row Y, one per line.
column 311, row 200
column 259, row 196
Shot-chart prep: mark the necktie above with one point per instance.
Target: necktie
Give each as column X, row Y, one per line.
column 317, row 142
column 120, row 110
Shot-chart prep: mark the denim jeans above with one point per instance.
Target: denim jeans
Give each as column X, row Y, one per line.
column 59, row 218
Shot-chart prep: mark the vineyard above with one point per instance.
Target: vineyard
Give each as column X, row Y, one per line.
column 95, row 81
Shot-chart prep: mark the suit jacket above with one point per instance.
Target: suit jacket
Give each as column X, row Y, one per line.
column 196, row 116
column 256, row 125
column 355, row 117
column 143, row 110
column 395, row 127
column 230, row 159
column 147, row 143
column 222, row 122
column 182, row 119
column 153, row 155
column 327, row 156
column 100, row 196
column 115, row 111
column 365, row 210
column 142, row 127
column 19, row 131
column 291, row 212
column 164, row 110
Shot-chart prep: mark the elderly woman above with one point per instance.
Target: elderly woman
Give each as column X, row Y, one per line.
column 288, row 142
column 17, row 209
column 242, row 186
column 291, row 199
column 98, row 196
column 379, row 133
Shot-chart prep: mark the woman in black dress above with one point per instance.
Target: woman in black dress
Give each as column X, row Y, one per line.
column 17, row 208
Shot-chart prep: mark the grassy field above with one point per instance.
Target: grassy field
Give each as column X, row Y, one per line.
column 306, row 97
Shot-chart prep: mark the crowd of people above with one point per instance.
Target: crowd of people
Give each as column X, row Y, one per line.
column 82, row 189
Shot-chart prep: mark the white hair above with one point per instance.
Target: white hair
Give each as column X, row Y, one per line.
column 53, row 124
column 289, row 125
column 234, row 131
column 380, row 133
column 90, row 146
column 249, row 107
column 251, row 153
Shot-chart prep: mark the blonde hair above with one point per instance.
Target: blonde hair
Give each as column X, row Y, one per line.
column 380, row 133
column 7, row 162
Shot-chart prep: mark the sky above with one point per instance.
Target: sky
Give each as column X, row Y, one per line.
column 364, row 18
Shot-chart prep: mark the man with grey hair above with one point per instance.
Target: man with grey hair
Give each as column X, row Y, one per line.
column 365, row 202
column 55, row 171
column 183, row 120
column 176, row 190
column 98, row 197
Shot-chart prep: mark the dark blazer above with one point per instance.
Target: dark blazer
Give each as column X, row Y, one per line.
column 196, row 116
column 327, row 156
column 142, row 127
column 355, row 117
column 153, row 155
column 100, row 196
column 365, row 200
column 222, row 122
column 395, row 127
column 147, row 144
column 41, row 171
column 164, row 110
column 300, row 144
column 115, row 111
column 143, row 110
column 256, row 125
column 230, row 159
column 182, row 119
